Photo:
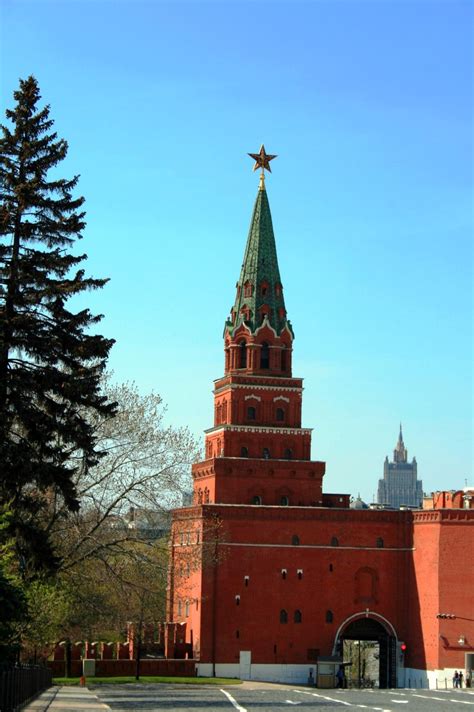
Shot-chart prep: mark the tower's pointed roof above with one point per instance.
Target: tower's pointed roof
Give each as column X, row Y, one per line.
column 259, row 289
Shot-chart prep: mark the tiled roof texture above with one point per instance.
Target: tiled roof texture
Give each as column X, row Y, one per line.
column 260, row 267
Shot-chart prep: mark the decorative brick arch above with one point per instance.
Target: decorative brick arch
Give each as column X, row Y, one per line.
column 366, row 582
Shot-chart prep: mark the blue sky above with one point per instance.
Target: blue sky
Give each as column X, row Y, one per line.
column 369, row 108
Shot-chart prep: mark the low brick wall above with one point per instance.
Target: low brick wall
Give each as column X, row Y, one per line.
column 126, row 668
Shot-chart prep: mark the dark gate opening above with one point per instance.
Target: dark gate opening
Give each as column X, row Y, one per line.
column 371, row 652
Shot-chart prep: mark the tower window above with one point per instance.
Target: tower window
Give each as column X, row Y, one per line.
column 251, row 412
column 266, row 453
column 265, row 356
column 237, row 634
column 246, row 580
column 295, row 540
column 329, row 617
column 283, row 573
column 298, row 617
column 237, row 600
column 284, row 501
column 248, row 289
column 299, row 573
column 334, row 541
column 380, row 542
column 242, row 355
column 256, row 499
column 280, row 415
column 244, row 452
column 288, row 454
column 283, row 616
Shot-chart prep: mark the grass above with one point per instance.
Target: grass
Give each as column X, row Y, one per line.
column 148, row 680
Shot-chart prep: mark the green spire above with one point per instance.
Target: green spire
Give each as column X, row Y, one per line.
column 259, row 289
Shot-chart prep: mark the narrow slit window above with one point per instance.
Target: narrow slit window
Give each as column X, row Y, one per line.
column 298, row 617
column 265, row 356
column 283, row 616
column 251, row 412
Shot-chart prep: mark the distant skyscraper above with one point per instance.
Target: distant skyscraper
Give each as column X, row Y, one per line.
column 399, row 485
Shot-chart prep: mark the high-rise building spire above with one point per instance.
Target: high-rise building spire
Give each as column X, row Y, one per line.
column 400, row 454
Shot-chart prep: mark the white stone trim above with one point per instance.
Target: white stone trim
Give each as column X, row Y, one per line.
column 258, row 429
column 281, row 398
column 232, row 386
column 317, row 546
column 254, row 397
column 272, row 672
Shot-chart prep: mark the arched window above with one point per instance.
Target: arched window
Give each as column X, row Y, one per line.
column 256, row 499
column 200, row 496
column 283, row 616
column 288, row 454
column 244, row 452
column 334, row 541
column 284, row 501
column 280, row 415
column 298, row 617
column 329, row 617
column 242, row 355
column 295, row 540
column 265, row 356
column 251, row 412
column 266, row 453
column 284, row 359
column 380, row 542
column 224, row 411
column 247, row 289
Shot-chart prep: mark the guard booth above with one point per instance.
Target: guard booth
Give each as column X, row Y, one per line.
column 328, row 665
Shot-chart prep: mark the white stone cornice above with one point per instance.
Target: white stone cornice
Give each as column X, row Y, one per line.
column 258, row 429
column 231, row 386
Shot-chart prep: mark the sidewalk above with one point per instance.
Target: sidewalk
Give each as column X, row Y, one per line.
column 66, row 699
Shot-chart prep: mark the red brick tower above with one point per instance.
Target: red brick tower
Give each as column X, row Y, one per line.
column 269, row 577
column 257, row 452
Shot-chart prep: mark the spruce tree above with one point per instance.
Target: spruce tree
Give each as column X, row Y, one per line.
column 50, row 359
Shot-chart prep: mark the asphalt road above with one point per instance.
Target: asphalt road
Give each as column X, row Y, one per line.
column 261, row 697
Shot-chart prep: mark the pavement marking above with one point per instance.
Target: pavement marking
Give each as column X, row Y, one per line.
column 341, row 702
column 234, row 702
column 400, row 702
column 442, row 699
column 290, row 702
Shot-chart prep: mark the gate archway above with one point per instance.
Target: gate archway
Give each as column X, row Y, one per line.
column 372, row 641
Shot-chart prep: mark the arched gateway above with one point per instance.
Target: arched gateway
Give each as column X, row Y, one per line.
column 368, row 644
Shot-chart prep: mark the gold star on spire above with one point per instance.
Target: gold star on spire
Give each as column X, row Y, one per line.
column 262, row 159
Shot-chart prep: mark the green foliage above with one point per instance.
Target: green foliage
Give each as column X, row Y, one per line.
column 50, row 609
column 50, row 362
column 12, row 599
